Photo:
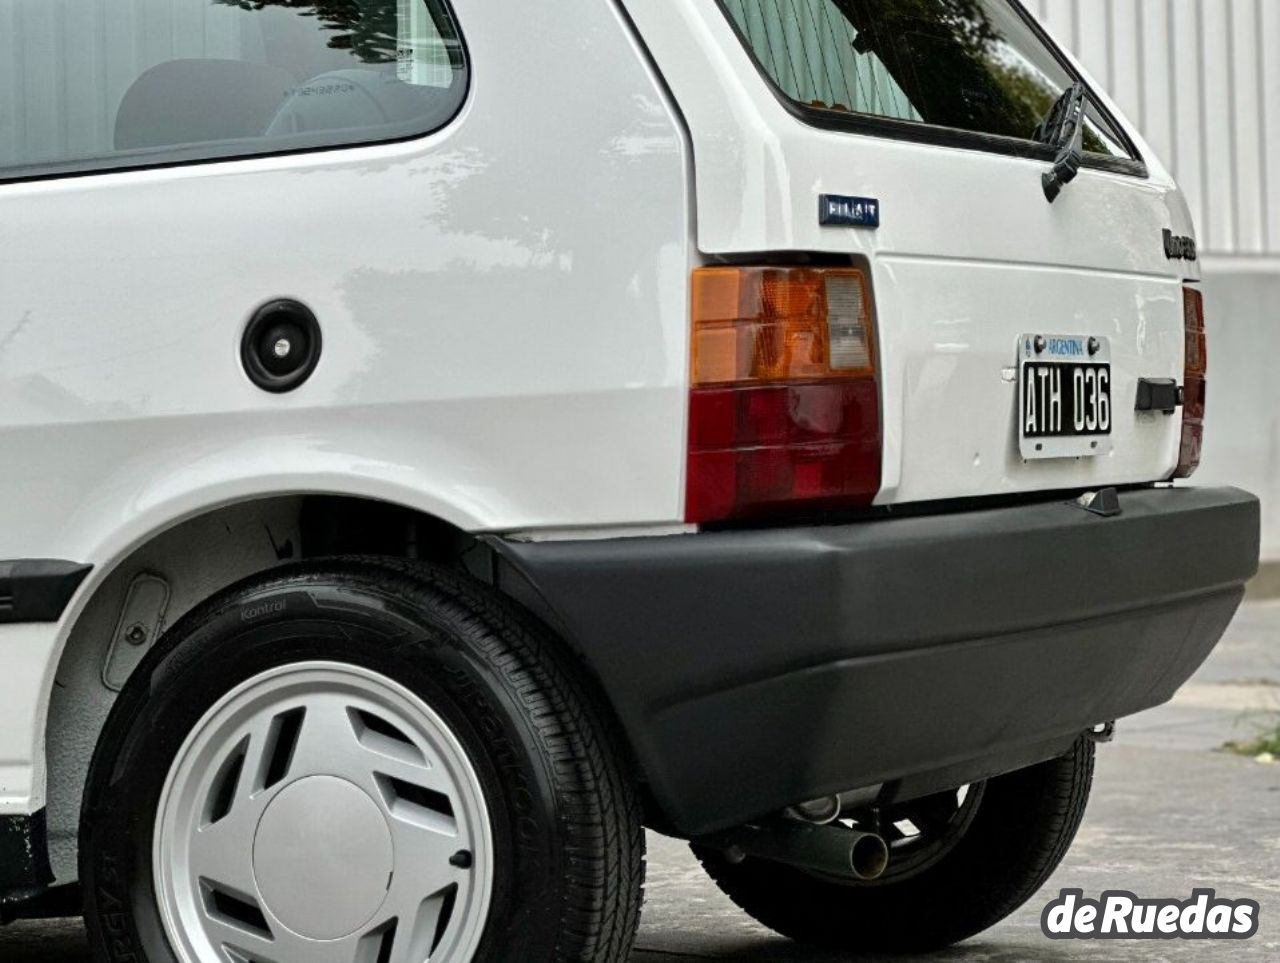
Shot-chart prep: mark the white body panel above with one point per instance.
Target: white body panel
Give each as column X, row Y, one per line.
column 947, row 372
column 506, row 337
column 968, row 257
column 27, row 657
column 502, row 348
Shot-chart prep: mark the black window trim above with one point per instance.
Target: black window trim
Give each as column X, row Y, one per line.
column 937, row 135
column 186, row 156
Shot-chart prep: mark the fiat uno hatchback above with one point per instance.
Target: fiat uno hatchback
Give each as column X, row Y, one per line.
column 441, row 438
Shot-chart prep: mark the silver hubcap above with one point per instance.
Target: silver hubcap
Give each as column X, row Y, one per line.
column 322, row 813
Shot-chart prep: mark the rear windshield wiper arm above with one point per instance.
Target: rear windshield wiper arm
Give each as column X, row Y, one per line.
column 1064, row 129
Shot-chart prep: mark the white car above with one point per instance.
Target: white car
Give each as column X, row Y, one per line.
column 441, row 438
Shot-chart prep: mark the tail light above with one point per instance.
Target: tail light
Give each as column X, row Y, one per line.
column 784, row 408
column 1193, row 380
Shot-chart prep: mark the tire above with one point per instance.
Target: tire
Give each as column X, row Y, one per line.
column 1016, row 835
column 379, row 708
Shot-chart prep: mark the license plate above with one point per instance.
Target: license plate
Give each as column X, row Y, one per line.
column 1064, row 396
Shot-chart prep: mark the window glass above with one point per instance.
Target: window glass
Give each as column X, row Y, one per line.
column 972, row 65
column 100, row 84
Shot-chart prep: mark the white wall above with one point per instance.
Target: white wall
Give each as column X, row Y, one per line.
column 1202, row 80
column 1242, row 431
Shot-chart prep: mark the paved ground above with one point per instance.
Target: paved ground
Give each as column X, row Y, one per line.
column 1168, row 814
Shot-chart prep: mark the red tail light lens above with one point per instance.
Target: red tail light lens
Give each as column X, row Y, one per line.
column 1193, row 391
column 784, row 407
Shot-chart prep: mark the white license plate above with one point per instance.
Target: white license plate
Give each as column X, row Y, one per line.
column 1065, row 406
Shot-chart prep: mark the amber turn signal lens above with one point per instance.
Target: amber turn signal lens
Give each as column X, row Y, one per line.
column 769, row 325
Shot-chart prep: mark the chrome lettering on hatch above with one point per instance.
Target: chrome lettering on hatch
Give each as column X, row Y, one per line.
column 836, row 210
column 1178, row 248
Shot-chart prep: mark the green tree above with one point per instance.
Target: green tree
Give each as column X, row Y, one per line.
column 952, row 62
column 367, row 28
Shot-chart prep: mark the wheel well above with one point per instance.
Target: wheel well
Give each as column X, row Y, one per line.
column 177, row 569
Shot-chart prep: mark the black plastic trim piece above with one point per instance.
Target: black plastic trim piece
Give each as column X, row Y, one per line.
column 938, row 136
column 1158, row 394
column 24, row 859
column 38, row 590
column 751, row 670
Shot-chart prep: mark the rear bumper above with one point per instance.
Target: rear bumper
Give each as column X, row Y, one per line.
column 752, row 670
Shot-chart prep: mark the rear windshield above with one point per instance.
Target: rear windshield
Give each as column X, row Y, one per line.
column 967, row 65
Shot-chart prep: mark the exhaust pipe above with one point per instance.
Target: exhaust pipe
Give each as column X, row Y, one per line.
column 820, row 812
column 833, row 850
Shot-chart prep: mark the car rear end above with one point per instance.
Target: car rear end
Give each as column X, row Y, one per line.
column 839, row 575
column 938, row 424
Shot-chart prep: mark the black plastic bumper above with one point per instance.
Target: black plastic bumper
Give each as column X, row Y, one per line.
column 752, row 670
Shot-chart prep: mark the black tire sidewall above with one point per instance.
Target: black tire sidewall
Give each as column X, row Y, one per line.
column 431, row 649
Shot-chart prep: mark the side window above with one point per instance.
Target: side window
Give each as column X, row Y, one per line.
column 968, row 65
column 94, row 85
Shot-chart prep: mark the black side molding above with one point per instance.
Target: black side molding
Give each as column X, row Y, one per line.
column 24, row 859
column 38, row 590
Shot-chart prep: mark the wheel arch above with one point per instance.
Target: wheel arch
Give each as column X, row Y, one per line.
column 238, row 537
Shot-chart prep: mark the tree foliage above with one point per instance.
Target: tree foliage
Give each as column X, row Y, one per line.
column 367, row 28
column 953, row 63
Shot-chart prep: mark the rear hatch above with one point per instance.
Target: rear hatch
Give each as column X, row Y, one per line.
column 901, row 136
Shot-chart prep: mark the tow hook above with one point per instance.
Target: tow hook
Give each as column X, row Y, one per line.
column 1105, row 503
column 1102, row 734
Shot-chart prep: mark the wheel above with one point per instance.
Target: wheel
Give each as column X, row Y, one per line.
column 360, row 762
column 959, row 863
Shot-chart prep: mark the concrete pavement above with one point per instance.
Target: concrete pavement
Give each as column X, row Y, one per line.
column 1169, row 813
